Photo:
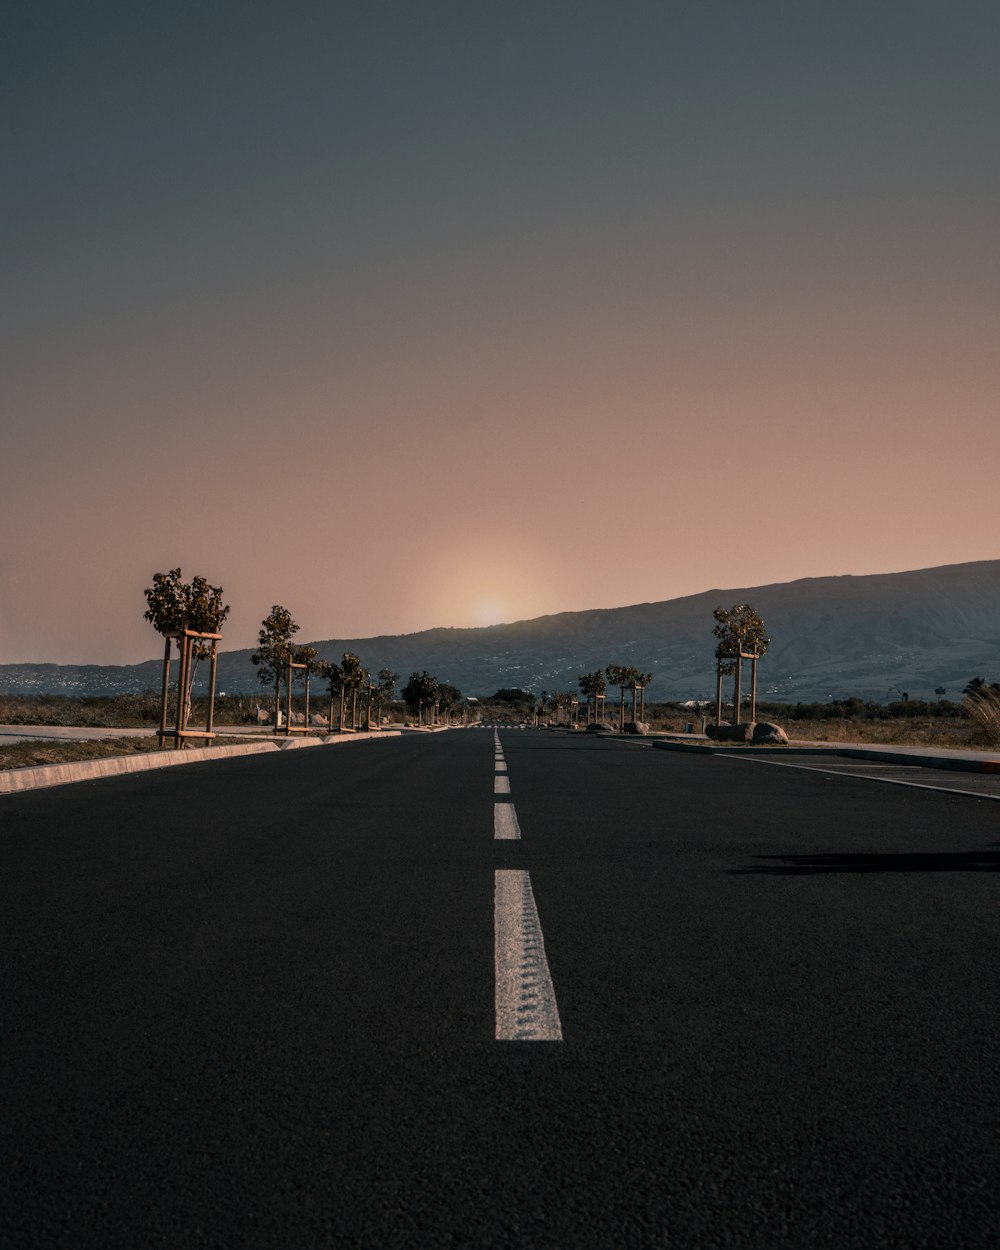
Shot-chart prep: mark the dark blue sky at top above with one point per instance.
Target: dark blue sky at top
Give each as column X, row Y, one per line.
column 188, row 134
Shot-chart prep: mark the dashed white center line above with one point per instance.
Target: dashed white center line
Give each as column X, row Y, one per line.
column 501, row 785
column 526, row 1009
column 505, row 821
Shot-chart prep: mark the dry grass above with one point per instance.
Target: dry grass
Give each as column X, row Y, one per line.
column 950, row 732
column 38, row 752
column 983, row 707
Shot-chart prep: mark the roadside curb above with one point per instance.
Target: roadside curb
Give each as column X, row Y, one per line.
column 20, row 780
column 913, row 759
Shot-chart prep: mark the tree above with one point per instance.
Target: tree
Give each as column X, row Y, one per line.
column 642, row 681
column 385, row 691
column 173, row 605
column 274, row 650
column 420, row 692
column 592, row 685
column 355, row 676
column 448, row 699
column 620, row 676
column 740, row 632
column 333, row 675
column 308, row 656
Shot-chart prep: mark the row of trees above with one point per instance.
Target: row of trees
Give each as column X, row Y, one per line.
column 625, row 677
column 176, row 608
column 349, row 685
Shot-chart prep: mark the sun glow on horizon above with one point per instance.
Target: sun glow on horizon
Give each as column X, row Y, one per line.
column 490, row 612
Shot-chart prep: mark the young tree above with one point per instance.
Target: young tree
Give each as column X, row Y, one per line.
column 642, row 681
column 420, row 692
column 447, row 699
column 619, row 675
column 274, row 650
column 740, row 631
column 592, row 685
column 385, row 691
column 304, row 655
column 173, row 605
column 355, row 676
column 333, row 675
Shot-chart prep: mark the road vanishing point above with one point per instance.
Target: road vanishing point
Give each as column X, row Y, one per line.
column 503, row 988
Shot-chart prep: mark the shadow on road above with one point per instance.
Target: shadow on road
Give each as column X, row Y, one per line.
column 907, row 861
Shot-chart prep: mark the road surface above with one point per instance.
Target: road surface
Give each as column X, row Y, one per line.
column 531, row 990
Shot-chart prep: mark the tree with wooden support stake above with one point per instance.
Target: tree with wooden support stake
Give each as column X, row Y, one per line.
column 742, row 636
column 191, row 615
column 274, row 653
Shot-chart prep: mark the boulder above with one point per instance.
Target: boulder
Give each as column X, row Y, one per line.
column 766, row 734
column 598, row 727
column 730, row 733
column 636, row 727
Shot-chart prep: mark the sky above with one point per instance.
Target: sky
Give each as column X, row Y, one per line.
column 407, row 315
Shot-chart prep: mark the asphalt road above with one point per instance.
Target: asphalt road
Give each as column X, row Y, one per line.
column 251, row 1004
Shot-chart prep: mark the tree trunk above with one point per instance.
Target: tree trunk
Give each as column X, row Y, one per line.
column 277, row 697
column 621, row 711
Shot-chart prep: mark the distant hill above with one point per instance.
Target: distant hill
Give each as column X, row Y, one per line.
column 871, row 636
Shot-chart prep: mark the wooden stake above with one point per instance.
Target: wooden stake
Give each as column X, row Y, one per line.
column 718, row 694
column 753, row 688
column 166, row 691
column 211, row 687
column 182, row 642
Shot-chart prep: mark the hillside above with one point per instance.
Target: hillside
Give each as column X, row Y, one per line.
column 871, row 636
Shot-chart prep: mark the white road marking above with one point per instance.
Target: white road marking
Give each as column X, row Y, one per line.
column 526, row 1009
column 505, row 821
column 886, row 781
column 501, row 785
column 501, row 766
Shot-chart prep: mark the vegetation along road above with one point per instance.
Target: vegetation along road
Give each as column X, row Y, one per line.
column 526, row 989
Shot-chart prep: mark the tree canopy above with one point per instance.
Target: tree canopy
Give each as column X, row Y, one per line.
column 274, row 645
column 421, row 690
column 740, row 631
column 173, row 604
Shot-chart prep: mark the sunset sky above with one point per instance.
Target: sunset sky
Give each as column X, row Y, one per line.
column 416, row 314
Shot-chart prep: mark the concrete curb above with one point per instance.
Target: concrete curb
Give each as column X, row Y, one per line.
column 913, row 759
column 20, row 780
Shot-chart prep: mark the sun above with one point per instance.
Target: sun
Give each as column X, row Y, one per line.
column 489, row 612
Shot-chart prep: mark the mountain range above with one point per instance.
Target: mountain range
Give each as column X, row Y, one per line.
column 873, row 636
